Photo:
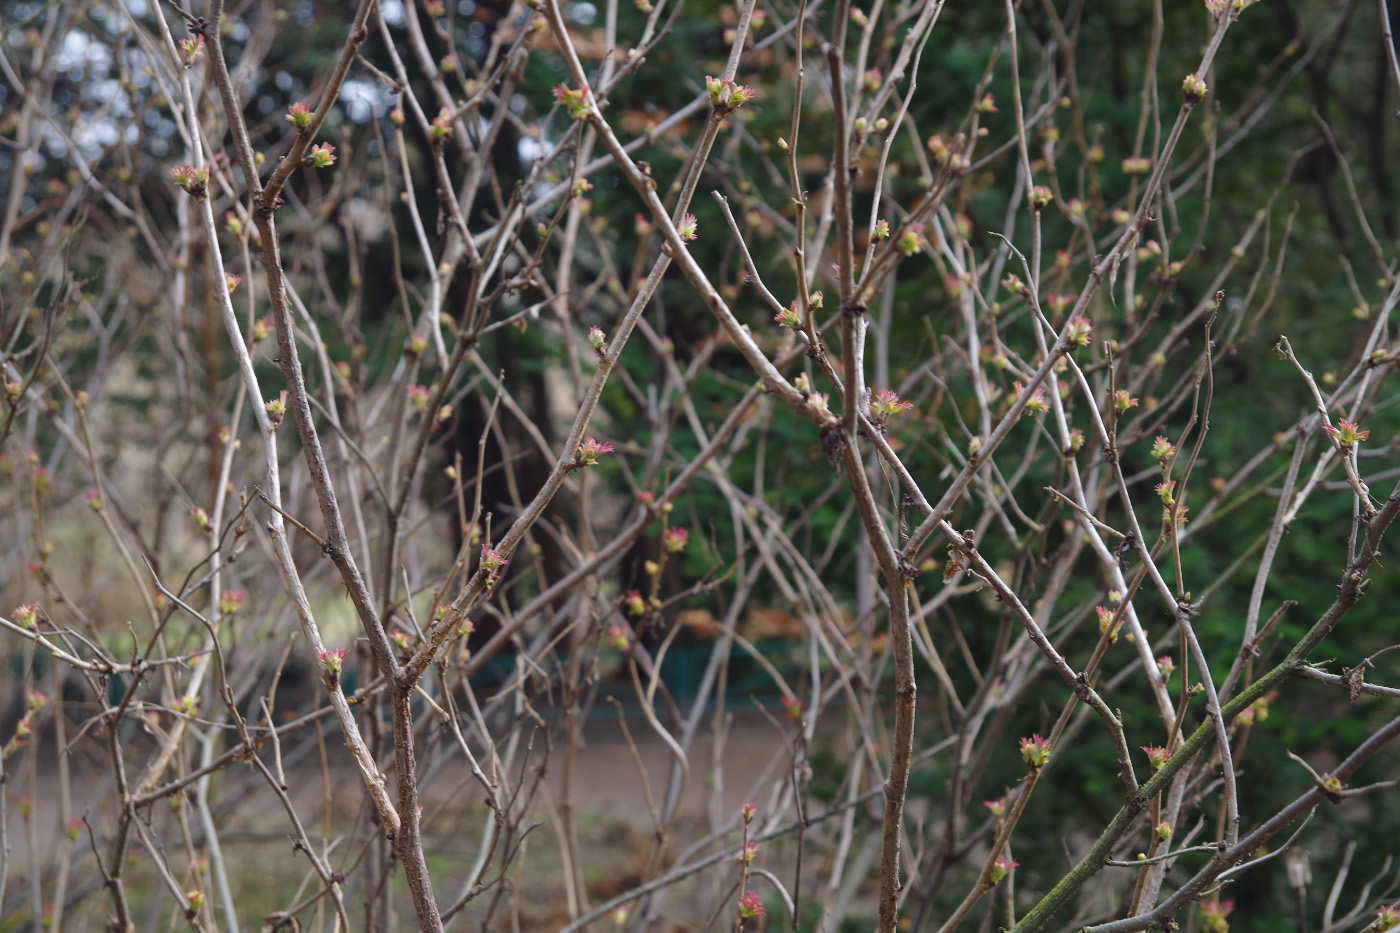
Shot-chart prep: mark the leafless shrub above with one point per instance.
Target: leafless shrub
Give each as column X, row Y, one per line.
column 371, row 415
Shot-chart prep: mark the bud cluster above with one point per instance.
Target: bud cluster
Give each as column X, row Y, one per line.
column 726, row 95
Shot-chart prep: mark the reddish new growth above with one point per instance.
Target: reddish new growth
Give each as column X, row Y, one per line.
column 1213, row 916
column 1156, row 756
column 299, row 115
column 1001, row 868
column 1106, row 624
column 1258, row 711
column 1193, row 89
column 442, row 125
column 190, row 50
column 689, row 227
column 574, row 101
column 195, row 181
column 492, row 561
column 725, row 95
column 1079, row 332
column 276, row 408
column 1035, row 752
column 420, row 396
column 322, row 155
column 590, row 450
column 26, row 616
column 1036, row 404
column 1346, row 433
column 911, row 239
column 883, row 403
column 24, row 731
column 750, row 906
column 674, row 540
column 331, row 660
